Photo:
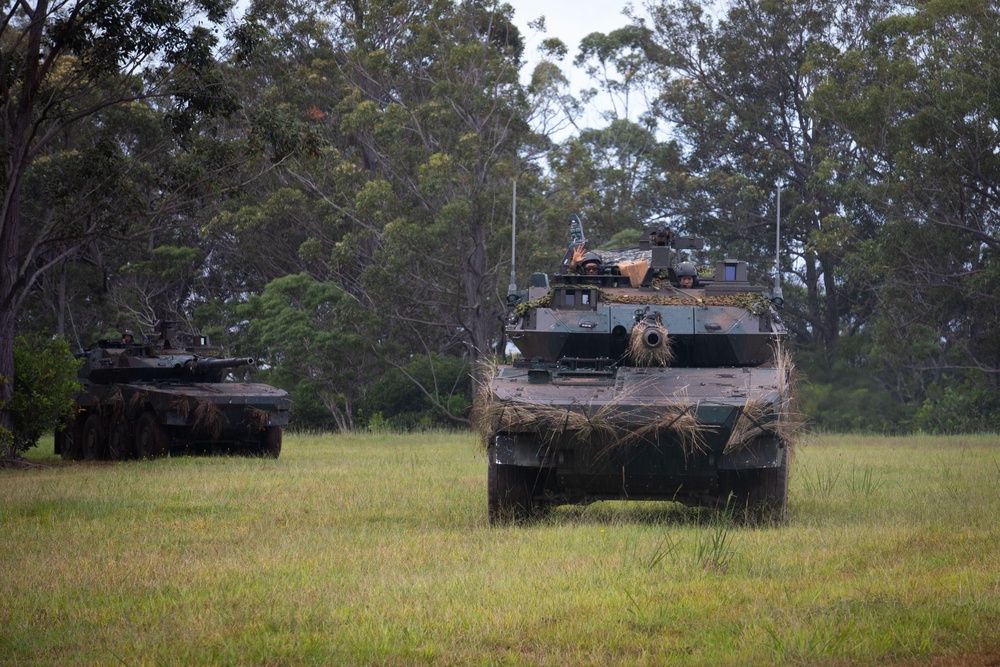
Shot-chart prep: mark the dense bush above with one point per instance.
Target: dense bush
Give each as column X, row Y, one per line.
column 44, row 385
column 858, row 407
column 396, row 402
column 970, row 405
column 846, row 395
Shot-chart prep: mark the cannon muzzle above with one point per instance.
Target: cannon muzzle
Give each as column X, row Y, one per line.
column 205, row 365
column 653, row 336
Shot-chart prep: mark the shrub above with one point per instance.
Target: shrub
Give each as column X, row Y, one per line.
column 971, row 405
column 44, row 388
column 395, row 402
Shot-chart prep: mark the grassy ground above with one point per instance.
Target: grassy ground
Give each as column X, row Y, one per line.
column 376, row 549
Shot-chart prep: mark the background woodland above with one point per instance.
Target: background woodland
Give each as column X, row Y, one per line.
column 327, row 186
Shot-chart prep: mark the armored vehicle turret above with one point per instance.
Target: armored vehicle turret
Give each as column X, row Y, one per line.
column 167, row 394
column 640, row 378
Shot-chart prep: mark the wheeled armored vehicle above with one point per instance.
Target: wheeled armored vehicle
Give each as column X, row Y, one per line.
column 639, row 379
column 167, row 394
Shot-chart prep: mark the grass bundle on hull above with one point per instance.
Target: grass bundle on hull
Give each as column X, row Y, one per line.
column 612, row 425
column 208, row 419
column 676, row 422
column 256, row 418
column 759, row 418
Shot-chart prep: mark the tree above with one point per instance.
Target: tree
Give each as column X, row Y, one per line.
column 318, row 342
column 611, row 175
column 739, row 92
column 404, row 122
column 43, row 395
column 60, row 64
column 918, row 98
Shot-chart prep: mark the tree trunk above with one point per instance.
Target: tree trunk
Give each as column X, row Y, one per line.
column 8, row 276
column 7, row 450
column 18, row 130
column 831, row 314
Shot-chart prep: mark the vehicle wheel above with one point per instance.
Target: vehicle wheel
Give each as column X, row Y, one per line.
column 70, row 440
column 270, row 442
column 760, row 496
column 95, row 439
column 151, row 439
column 508, row 489
column 119, row 445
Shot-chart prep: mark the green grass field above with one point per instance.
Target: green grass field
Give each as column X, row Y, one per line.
column 375, row 549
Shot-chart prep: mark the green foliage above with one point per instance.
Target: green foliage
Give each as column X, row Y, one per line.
column 740, row 92
column 850, row 404
column 309, row 412
column 363, row 192
column 44, row 388
column 846, row 395
column 396, row 401
column 315, row 341
column 612, row 177
column 969, row 405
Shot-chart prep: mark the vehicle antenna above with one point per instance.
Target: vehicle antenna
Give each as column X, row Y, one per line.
column 777, row 252
column 512, row 288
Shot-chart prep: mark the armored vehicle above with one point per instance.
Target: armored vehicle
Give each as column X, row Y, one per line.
column 166, row 394
column 639, row 379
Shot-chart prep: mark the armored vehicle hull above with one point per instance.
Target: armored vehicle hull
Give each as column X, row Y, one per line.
column 629, row 387
column 145, row 400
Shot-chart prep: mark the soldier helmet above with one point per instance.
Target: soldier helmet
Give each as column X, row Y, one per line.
column 127, row 334
column 590, row 261
column 686, row 269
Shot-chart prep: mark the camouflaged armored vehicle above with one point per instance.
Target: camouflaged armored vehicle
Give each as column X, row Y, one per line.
column 148, row 398
column 633, row 385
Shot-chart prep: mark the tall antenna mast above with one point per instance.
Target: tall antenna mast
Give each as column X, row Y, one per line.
column 512, row 288
column 777, row 249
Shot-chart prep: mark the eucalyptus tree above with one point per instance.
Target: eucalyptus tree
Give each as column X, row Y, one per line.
column 919, row 99
column 737, row 91
column 312, row 335
column 613, row 174
column 395, row 139
column 61, row 63
column 436, row 111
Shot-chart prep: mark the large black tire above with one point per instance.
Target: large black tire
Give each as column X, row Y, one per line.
column 120, row 445
column 760, row 496
column 95, row 439
column 509, row 491
column 270, row 442
column 70, row 440
column 151, row 439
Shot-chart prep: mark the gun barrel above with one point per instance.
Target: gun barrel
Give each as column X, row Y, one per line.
column 653, row 336
column 203, row 365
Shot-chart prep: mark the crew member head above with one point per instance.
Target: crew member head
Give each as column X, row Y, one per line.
column 687, row 274
column 590, row 265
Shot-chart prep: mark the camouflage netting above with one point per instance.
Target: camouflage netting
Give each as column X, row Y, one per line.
column 755, row 302
column 675, row 419
column 759, row 418
column 599, row 423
